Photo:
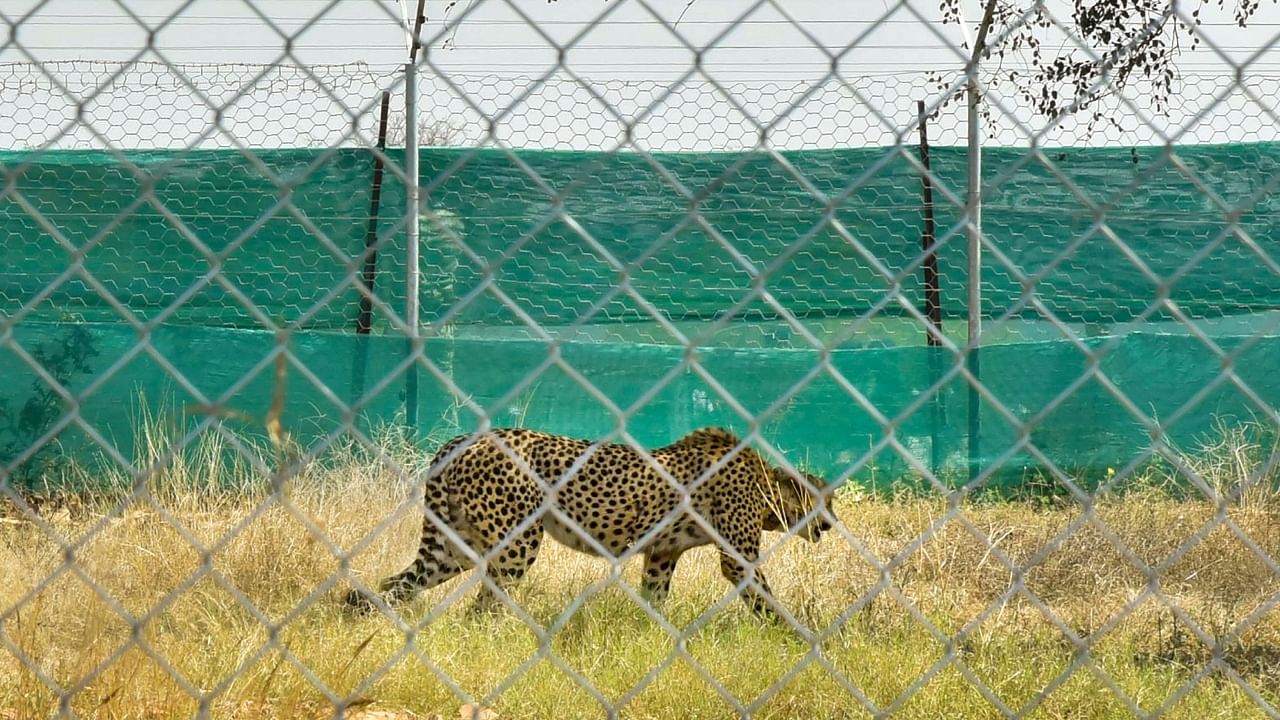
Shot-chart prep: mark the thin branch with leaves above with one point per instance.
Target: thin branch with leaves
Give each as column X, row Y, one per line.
column 1107, row 47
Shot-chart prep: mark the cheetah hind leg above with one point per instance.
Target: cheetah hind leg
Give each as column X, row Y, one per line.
column 433, row 565
column 655, row 584
column 506, row 569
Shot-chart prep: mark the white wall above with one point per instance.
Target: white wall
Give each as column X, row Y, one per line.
column 762, row 69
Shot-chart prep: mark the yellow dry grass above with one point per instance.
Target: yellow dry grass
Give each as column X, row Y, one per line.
column 235, row 592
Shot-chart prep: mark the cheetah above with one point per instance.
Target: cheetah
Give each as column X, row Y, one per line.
column 613, row 500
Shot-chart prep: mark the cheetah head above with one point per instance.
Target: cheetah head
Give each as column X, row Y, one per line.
column 791, row 502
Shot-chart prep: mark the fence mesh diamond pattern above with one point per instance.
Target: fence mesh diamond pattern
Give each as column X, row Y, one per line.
column 248, row 379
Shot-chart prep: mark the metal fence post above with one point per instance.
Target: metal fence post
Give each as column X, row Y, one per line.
column 412, row 200
column 973, row 218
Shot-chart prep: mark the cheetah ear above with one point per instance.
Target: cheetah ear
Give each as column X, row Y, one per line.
column 719, row 436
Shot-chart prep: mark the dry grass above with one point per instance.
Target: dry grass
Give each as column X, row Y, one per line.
column 212, row 569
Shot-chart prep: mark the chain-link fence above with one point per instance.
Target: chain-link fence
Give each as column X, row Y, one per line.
column 242, row 365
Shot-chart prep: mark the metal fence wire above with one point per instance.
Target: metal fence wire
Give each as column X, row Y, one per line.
column 302, row 362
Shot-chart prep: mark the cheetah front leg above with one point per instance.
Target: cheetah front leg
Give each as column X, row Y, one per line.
column 758, row 596
column 744, row 538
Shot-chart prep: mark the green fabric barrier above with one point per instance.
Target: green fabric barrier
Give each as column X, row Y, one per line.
column 213, row 244
column 821, row 425
column 272, row 224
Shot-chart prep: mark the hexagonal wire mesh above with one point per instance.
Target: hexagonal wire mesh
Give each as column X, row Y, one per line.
column 213, row 426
